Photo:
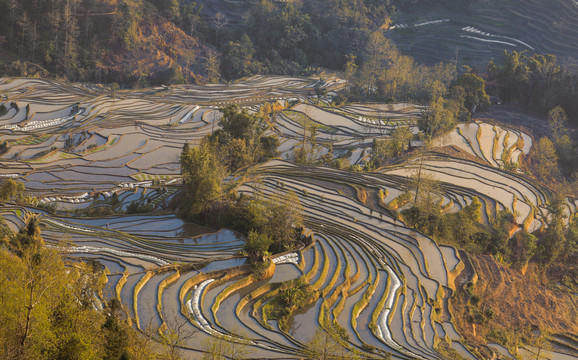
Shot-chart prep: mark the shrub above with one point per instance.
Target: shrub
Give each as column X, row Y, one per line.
column 475, row 299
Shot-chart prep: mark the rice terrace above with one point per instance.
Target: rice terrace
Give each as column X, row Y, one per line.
column 364, row 205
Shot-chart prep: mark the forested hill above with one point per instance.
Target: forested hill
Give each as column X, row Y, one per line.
column 151, row 42
column 147, row 42
column 134, row 42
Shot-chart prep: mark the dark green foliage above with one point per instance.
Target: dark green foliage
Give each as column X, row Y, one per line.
column 71, row 38
column 293, row 37
column 116, row 336
column 278, row 220
column 172, row 75
column 475, row 299
column 470, row 288
column 168, row 8
column 239, row 124
column 139, row 207
column 565, row 149
column 464, row 97
column 240, row 140
column 269, row 145
column 256, row 245
column 553, row 244
column 4, row 147
column 523, row 245
column 238, row 59
column 270, row 224
column 293, row 294
column 463, row 229
column 475, row 97
column 441, row 116
column 536, row 81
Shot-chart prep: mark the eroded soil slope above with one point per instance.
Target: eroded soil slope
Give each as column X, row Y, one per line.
column 519, row 305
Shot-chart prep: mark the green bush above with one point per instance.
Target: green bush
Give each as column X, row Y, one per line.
column 475, row 299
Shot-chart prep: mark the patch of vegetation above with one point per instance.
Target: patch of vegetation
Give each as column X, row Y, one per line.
column 45, row 294
column 140, row 207
column 536, row 81
column 12, row 190
column 4, row 147
column 273, row 225
column 293, row 294
column 395, row 146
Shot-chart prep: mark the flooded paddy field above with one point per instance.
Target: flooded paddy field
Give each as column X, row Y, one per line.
column 379, row 281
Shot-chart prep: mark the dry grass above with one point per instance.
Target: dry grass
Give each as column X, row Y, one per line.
column 518, row 303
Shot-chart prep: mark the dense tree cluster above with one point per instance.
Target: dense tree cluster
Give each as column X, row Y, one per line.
column 458, row 103
column 553, row 157
column 238, row 142
column 241, row 139
column 271, row 225
column 203, row 175
column 290, row 37
column 537, row 82
column 395, row 146
column 63, row 35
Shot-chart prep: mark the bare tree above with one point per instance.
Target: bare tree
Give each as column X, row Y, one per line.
column 24, row 25
column 219, row 21
column 221, row 348
column 70, row 34
column 176, row 331
column 39, row 279
column 212, row 66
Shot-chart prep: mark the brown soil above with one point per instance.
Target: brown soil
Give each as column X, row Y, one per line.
column 456, row 152
column 519, row 303
column 161, row 46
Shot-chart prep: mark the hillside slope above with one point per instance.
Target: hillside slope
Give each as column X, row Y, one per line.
column 480, row 31
column 520, row 307
column 163, row 53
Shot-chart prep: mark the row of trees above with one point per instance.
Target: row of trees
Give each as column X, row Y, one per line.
column 448, row 105
column 67, row 36
column 457, row 103
column 71, row 37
